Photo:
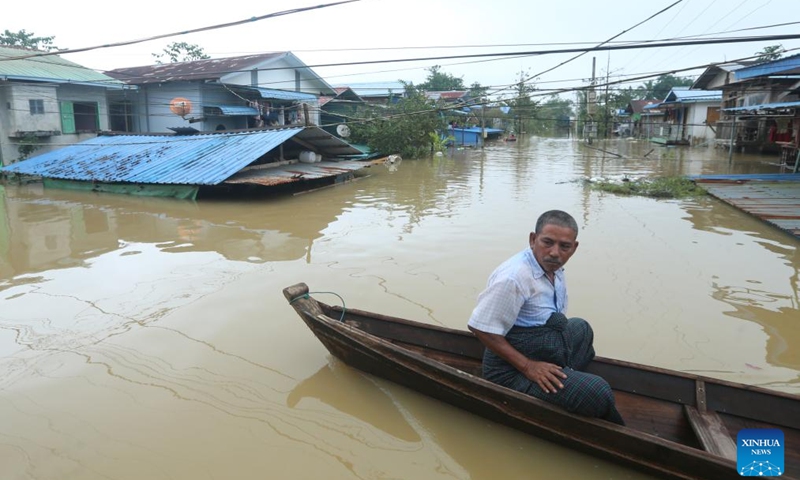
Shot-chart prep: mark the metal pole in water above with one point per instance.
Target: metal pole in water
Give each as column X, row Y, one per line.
column 733, row 140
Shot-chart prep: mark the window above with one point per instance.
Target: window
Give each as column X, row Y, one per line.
column 120, row 116
column 78, row 117
column 36, row 106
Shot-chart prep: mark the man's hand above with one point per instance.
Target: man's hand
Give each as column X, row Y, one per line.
column 547, row 375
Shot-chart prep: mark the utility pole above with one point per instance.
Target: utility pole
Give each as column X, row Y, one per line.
column 605, row 127
column 733, row 139
column 483, row 122
column 591, row 103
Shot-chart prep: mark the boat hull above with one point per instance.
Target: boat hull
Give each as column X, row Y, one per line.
column 390, row 348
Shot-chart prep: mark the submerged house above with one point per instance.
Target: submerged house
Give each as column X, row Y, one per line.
column 204, row 128
column 251, row 91
column 760, row 105
column 639, row 124
column 689, row 117
column 47, row 102
column 262, row 161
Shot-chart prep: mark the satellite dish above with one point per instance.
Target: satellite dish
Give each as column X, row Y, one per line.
column 180, row 106
column 343, row 130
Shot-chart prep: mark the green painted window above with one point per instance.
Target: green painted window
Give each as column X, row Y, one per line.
column 79, row 117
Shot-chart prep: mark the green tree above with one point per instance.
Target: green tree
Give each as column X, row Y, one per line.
column 27, row 40
column 403, row 128
column 180, row 52
column 663, row 84
column 772, row 52
column 552, row 117
column 438, row 81
column 477, row 91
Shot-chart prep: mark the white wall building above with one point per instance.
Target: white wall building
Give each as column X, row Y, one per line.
column 219, row 94
column 48, row 104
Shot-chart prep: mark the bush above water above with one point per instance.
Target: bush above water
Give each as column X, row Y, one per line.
column 659, row 187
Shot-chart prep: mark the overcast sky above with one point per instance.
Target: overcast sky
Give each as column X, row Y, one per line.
column 409, row 28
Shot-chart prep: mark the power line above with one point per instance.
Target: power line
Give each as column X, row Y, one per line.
column 600, row 44
column 185, row 32
column 762, row 38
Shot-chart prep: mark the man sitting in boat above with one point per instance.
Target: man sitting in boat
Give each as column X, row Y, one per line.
column 531, row 346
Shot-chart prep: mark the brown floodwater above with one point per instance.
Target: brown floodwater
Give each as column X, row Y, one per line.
column 148, row 338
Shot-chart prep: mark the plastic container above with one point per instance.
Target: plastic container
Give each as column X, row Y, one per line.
column 307, row 156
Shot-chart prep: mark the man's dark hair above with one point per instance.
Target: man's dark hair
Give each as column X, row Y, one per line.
column 558, row 218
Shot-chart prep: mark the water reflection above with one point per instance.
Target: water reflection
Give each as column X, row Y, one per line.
column 41, row 231
column 415, row 423
column 354, row 394
column 768, row 295
column 147, row 338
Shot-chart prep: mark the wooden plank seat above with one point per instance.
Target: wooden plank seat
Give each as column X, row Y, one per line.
column 711, row 432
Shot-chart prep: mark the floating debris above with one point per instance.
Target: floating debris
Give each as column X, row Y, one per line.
column 658, row 187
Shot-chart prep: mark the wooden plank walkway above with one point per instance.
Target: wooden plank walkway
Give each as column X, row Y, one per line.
column 772, row 198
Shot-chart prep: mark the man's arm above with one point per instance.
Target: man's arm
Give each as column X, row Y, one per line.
column 547, row 375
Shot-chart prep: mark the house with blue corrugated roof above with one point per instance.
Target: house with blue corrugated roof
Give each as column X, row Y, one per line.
column 47, row 102
column 688, row 116
column 250, row 91
column 760, row 105
column 379, row 93
column 240, row 125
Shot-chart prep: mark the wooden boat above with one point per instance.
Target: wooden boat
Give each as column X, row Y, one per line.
column 678, row 425
column 511, row 138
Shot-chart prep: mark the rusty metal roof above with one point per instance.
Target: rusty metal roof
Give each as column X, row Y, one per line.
column 294, row 172
column 204, row 159
column 208, row 69
column 772, row 198
column 220, row 70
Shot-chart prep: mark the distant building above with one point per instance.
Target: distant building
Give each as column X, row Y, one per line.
column 688, row 116
column 760, row 107
column 380, row 93
column 638, row 124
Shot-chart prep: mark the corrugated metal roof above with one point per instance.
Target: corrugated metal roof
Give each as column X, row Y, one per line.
column 206, row 159
column 763, row 106
column 208, row 69
column 51, row 68
column 233, row 110
column 378, row 89
column 712, row 71
column 776, row 201
column 218, row 69
column 682, row 95
column 271, row 93
column 326, row 143
column 478, row 130
column 786, row 65
column 636, row 106
column 295, row 172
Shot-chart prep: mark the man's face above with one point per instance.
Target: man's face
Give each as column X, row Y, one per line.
column 553, row 246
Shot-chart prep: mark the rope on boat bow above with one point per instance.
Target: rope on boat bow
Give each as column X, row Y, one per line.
column 308, row 296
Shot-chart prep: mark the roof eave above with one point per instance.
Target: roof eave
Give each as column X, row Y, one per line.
column 114, row 86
